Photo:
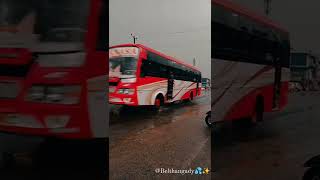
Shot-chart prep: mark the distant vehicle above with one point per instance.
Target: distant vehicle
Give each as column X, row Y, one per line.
column 250, row 64
column 313, row 169
column 296, row 87
column 140, row 76
column 205, row 83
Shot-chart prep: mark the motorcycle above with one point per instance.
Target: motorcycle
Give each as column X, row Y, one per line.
column 313, row 171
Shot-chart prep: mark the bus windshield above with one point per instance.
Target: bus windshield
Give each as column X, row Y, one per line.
column 120, row 66
column 123, row 61
column 59, row 24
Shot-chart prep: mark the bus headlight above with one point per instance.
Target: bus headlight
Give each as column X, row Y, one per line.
column 126, row 91
column 63, row 94
column 129, row 80
column 62, row 60
column 36, row 93
column 54, row 94
column 56, row 121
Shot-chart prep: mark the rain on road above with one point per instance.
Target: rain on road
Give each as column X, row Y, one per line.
column 142, row 140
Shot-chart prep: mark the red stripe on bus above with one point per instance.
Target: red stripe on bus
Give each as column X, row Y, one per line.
column 181, row 90
column 257, row 74
column 222, row 94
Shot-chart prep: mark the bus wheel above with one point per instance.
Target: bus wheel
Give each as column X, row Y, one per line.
column 191, row 97
column 258, row 114
column 159, row 102
column 208, row 120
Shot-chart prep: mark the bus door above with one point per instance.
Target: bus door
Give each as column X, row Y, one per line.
column 197, row 90
column 170, row 86
column 277, row 85
column 198, row 80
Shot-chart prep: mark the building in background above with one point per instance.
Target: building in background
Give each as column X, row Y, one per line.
column 304, row 69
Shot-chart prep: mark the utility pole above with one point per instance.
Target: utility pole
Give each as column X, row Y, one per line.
column 134, row 38
column 267, row 7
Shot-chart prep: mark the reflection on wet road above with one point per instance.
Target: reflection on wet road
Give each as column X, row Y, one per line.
column 275, row 149
column 142, row 140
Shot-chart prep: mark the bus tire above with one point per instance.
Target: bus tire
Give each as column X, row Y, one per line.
column 208, row 120
column 159, row 101
column 189, row 99
column 259, row 110
column 191, row 96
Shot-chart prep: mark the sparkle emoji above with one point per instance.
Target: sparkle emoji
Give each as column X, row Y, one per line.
column 206, row 171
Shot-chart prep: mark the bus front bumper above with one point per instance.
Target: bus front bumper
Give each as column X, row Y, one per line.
column 129, row 100
column 44, row 120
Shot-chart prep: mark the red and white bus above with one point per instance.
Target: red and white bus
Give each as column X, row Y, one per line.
column 140, row 76
column 53, row 68
column 250, row 64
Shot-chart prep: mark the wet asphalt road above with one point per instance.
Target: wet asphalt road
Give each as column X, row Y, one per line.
column 142, row 140
column 275, row 149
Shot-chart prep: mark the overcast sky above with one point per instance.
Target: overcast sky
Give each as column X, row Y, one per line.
column 299, row 17
column 179, row 28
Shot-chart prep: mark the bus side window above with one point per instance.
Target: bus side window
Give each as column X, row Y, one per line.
column 142, row 72
column 144, row 68
column 150, row 68
column 102, row 39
